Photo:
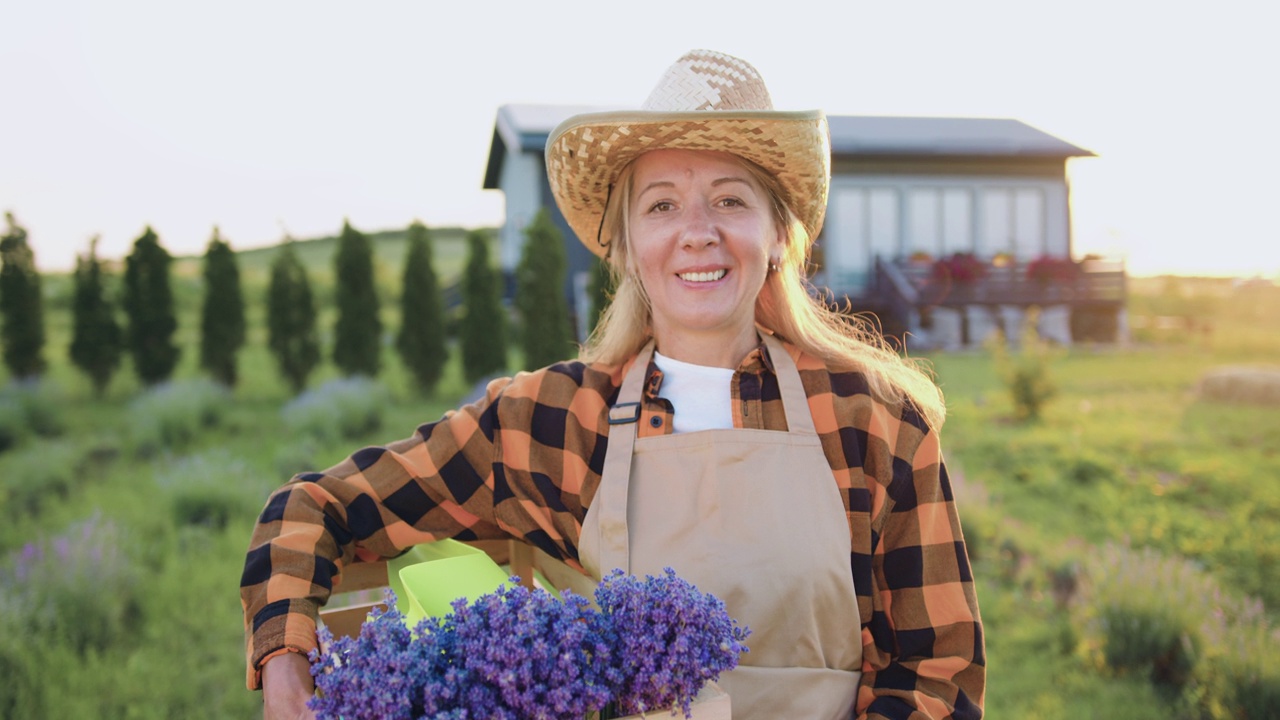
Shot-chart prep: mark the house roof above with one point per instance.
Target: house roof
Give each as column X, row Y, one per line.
column 870, row 135
column 527, row 127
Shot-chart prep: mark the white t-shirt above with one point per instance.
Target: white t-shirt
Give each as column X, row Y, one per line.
column 700, row 394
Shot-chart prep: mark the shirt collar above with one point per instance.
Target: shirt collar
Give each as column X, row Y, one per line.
column 757, row 362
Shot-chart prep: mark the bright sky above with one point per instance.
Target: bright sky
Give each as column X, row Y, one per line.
column 289, row 115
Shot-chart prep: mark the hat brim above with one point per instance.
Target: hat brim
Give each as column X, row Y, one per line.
column 586, row 153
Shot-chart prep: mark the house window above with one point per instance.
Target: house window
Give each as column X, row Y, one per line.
column 939, row 221
column 867, row 225
column 957, row 221
column 1013, row 221
column 924, row 221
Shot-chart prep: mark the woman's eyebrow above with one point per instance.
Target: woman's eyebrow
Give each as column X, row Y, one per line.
column 656, row 184
column 729, row 179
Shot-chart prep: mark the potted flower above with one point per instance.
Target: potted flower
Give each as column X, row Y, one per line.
column 1047, row 270
column 960, row 267
column 920, row 257
column 652, row 646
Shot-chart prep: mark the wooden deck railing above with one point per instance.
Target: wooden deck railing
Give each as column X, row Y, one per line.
column 1095, row 283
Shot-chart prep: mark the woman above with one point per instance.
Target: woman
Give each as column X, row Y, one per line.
column 721, row 422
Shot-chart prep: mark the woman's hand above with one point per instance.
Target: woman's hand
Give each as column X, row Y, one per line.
column 286, row 688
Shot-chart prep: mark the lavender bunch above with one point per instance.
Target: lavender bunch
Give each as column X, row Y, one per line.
column 524, row 654
column 385, row 672
column 518, row 654
column 671, row 639
column 515, row 654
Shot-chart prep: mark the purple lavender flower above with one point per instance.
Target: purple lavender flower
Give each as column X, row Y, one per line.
column 671, row 639
column 518, row 654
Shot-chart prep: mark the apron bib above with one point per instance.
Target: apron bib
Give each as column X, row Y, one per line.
column 753, row 517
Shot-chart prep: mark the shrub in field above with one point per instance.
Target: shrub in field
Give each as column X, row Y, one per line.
column 294, row 457
column 96, row 342
column 208, row 489
column 222, row 317
column 1089, row 469
column 172, row 414
column 1026, row 374
column 291, row 319
column 1241, row 677
column 13, row 422
column 42, row 403
column 21, row 305
column 34, row 476
column 345, row 408
column 76, row 589
column 357, row 336
column 482, row 328
column 545, row 334
column 1143, row 613
column 421, row 341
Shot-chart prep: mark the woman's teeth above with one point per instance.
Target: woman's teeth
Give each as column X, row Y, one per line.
column 703, row 276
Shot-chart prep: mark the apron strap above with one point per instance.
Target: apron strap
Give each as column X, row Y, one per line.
column 615, row 549
column 794, row 400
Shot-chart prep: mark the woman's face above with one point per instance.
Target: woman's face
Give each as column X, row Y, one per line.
column 701, row 234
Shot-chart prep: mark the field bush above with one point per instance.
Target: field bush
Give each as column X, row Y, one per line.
column 208, row 489
column 36, row 475
column 344, row 408
column 171, row 415
column 31, row 406
column 1142, row 613
column 76, row 589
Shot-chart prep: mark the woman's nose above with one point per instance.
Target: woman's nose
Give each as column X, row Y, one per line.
column 700, row 229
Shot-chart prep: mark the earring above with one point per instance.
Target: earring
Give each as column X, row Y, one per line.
column 773, row 265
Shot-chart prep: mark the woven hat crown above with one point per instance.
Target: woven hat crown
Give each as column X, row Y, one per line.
column 708, row 80
column 705, row 101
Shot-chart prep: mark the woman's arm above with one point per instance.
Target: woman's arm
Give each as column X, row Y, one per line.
column 286, row 688
column 925, row 658
column 376, row 503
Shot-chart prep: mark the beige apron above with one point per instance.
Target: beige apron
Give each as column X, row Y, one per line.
column 753, row 517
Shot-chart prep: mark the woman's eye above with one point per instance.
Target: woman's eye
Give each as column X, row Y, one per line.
column 731, row 202
column 662, row 206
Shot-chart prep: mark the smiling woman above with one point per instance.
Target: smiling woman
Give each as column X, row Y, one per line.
column 722, row 422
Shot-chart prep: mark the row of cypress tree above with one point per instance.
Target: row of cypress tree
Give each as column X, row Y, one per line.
column 99, row 341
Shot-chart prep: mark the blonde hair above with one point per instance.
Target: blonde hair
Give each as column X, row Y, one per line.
column 785, row 307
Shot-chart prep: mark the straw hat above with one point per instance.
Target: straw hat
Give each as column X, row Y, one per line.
column 705, row 101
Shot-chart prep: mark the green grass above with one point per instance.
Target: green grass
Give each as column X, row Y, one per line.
column 1125, row 452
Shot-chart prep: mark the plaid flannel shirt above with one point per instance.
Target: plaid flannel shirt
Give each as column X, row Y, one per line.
column 525, row 462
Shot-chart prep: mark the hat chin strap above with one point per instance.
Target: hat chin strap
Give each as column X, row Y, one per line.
column 600, row 230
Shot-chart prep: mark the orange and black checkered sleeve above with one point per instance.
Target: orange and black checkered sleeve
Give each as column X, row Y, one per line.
column 923, row 653
column 512, row 465
column 923, row 650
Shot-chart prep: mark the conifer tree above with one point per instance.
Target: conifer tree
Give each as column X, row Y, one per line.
column 148, row 304
column 96, row 342
column 545, row 333
column 482, row 329
column 358, row 333
column 291, row 319
column 222, row 328
column 21, row 308
column 421, row 341
column 600, row 288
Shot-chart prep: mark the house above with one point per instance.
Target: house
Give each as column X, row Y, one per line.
column 945, row 228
